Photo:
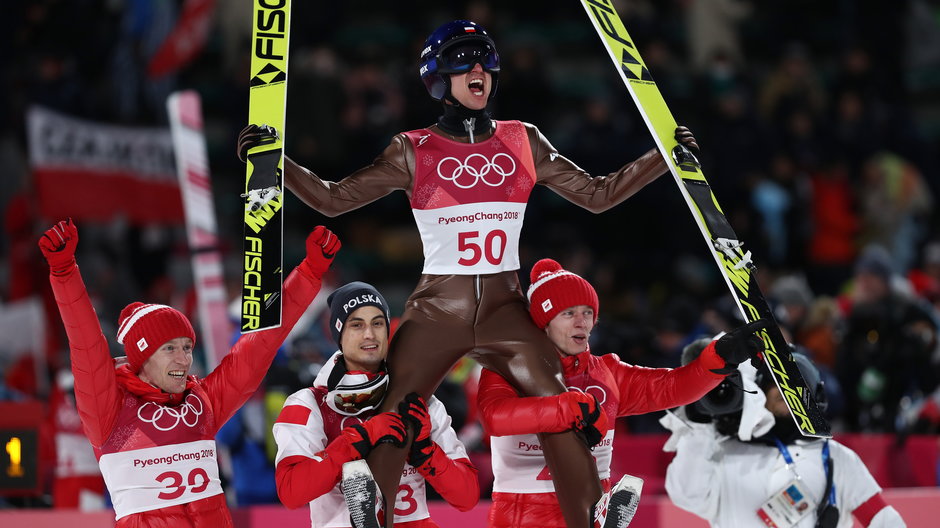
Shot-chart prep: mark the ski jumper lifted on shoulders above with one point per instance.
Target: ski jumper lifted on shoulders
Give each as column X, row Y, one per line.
column 468, row 179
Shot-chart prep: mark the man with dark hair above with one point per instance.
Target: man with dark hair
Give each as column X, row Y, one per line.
column 335, row 421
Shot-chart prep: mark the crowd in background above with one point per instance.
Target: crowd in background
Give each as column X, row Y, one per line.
column 819, row 127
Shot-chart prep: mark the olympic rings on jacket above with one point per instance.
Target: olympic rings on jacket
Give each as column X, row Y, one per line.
column 501, row 168
column 600, row 393
column 190, row 410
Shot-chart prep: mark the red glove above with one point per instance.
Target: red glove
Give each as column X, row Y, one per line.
column 322, row 246
column 58, row 246
column 253, row 136
column 585, row 415
column 380, row 429
column 415, row 412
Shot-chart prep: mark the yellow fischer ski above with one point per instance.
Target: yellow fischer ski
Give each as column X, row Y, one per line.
column 264, row 215
column 734, row 262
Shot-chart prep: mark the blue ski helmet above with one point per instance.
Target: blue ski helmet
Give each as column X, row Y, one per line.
column 454, row 48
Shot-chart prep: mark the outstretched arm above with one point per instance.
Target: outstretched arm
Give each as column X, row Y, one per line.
column 389, row 172
column 644, row 390
column 240, row 372
column 597, row 193
column 96, row 392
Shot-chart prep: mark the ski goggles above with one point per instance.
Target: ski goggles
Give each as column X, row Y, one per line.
column 355, row 393
column 461, row 55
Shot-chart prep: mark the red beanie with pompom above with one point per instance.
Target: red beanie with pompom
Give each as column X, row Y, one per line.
column 143, row 328
column 554, row 289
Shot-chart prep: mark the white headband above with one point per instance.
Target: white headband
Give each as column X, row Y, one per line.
column 134, row 317
column 545, row 278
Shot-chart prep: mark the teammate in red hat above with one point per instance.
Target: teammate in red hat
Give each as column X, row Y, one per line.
column 565, row 306
column 468, row 179
column 151, row 423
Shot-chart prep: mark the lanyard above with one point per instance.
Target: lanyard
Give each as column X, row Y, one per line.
column 792, row 467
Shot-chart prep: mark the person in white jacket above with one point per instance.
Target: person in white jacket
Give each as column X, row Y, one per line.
column 741, row 462
column 335, row 421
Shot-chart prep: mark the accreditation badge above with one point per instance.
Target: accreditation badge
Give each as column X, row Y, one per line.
column 788, row 506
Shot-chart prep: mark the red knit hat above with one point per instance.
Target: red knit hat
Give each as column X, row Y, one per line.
column 144, row 327
column 553, row 289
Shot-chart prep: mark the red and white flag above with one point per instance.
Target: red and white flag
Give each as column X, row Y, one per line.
column 186, row 41
column 185, row 111
column 96, row 171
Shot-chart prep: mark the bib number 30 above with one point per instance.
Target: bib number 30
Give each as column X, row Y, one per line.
column 198, row 481
column 492, row 249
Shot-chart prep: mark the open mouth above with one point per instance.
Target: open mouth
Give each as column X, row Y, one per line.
column 370, row 347
column 476, row 86
column 177, row 374
column 579, row 339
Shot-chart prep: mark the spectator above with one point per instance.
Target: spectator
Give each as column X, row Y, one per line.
column 886, row 352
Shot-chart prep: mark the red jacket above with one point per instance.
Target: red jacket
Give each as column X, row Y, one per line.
column 104, row 394
column 523, row 494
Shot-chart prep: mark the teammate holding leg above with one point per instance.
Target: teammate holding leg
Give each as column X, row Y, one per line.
column 335, row 421
column 566, row 307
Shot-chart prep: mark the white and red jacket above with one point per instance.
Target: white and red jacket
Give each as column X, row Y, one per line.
column 725, row 480
column 523, row 491
column 310, row 462
column 157, row 450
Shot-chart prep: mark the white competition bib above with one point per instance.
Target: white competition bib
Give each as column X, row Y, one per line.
column 156, row 477
column 519, row 464
column 469, row 199
column 471, row 239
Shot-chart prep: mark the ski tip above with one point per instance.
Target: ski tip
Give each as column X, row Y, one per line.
column 356, row 469
column 629, row 482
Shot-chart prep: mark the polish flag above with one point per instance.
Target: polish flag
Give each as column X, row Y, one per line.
column 96, row 171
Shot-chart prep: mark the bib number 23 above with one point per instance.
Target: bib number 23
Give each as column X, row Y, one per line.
column 492, row 248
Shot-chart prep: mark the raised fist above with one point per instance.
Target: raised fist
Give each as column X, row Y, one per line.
column 322, row 246
column 58, row 246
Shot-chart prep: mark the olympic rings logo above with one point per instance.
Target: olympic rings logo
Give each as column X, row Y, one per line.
column 599, row 392
column 478, row 170
column 188, row 412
